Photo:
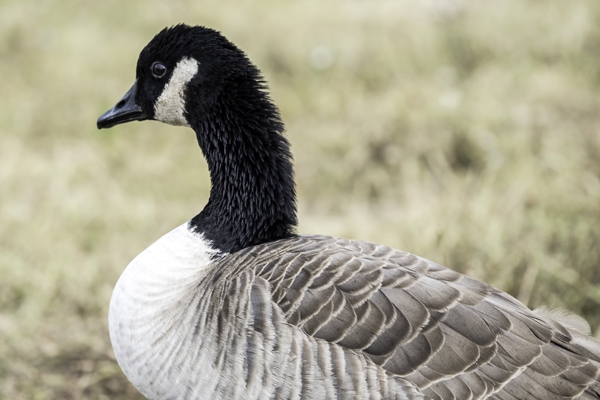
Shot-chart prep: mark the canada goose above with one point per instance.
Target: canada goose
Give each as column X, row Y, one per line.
column 235, row 305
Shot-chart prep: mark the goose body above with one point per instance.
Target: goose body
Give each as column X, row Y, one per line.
column 234, row 304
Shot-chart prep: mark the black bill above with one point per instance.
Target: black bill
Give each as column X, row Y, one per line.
column 126, row 110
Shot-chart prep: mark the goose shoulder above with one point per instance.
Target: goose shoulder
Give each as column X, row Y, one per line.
column 452, row 336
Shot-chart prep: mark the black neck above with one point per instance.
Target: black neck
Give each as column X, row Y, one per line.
column 252, row 199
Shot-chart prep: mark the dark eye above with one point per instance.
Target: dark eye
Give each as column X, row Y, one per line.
column 158, row 70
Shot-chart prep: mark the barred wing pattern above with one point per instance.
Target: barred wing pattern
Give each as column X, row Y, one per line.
column 413, row 320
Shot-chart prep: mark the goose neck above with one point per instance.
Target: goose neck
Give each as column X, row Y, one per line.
column 252, row 198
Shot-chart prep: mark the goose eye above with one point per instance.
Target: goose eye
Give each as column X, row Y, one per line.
column 158, row 70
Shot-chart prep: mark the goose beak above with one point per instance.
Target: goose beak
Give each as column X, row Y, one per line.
column 126, row 110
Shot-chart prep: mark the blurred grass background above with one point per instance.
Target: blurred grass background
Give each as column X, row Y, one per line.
column 466, row 132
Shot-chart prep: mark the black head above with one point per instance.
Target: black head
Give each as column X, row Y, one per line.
column 175, row 60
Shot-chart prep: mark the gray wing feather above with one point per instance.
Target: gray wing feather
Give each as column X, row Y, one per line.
column 376, row 317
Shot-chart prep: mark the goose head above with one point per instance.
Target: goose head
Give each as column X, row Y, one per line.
column 195, row 77
column 181, row 75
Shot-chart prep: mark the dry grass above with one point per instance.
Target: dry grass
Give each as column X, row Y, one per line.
column 466, row 132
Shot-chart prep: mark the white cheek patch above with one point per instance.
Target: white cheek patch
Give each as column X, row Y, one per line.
column 170, row 105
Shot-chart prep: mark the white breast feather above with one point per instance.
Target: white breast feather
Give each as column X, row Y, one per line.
column 150, row 307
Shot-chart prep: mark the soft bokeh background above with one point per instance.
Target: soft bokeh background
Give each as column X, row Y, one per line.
column 467, row 132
